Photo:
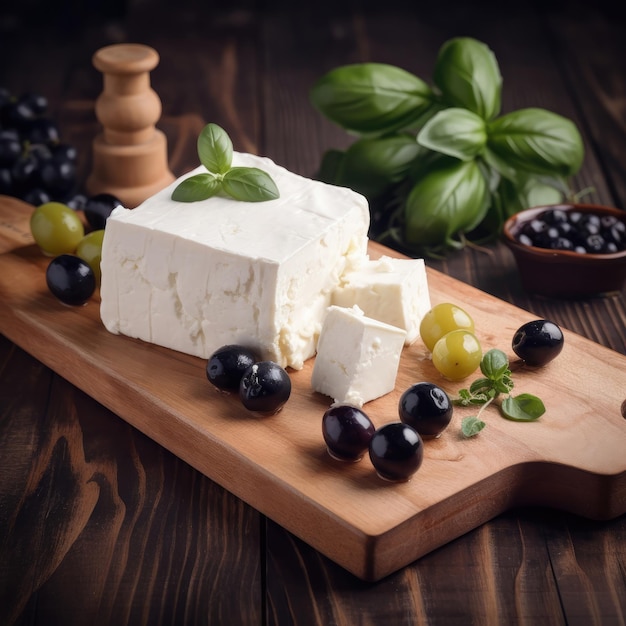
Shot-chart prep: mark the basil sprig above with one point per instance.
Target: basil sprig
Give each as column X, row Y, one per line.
column 470, row 167
column 215, row 149
column 497, row 379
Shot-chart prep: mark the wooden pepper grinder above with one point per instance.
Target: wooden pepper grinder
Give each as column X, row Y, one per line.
column 130, row 154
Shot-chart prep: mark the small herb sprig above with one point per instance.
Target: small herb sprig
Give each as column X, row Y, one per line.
column 215, row 149
column 497, row 379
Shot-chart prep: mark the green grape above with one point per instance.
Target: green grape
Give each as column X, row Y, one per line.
column 56, row 228
column 457, row 354
column 442, row 319
column 89, row 250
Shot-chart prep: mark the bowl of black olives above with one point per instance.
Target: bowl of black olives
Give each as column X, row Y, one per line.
column 569, row 250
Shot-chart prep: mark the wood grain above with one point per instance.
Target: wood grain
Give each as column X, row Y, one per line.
column 97, row 517
column 571, row 459
column 232, row 62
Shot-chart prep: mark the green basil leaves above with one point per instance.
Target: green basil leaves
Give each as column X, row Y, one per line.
column 537, row 141
column 447, row 200
column 471, row 166
column 468, row 75
column 215, row 150
column 373, row 164
column 371, row 98
column 523, row 408
column 456, row 132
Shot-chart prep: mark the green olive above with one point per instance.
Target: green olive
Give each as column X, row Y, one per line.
column 457, row 354
column 56, row 228
column 90, row 250
column 442, row 319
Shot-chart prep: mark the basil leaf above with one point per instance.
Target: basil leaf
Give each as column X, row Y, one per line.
column 197, row 187
column 445, row 202
column 523, row 408
column 536, row 141
column 528, row 191
column 249, row 184
column 468, row 75
column 427, row 161
column 456, row 132
column 498, row 164
column 494, row 364
column 370, row 166
column 371, row 98
column 491, row 175
column 471, row 426
column 215, row 149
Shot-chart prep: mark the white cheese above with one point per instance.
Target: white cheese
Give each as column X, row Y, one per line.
column 357, row 357
column 391, row 290
column 196, row 276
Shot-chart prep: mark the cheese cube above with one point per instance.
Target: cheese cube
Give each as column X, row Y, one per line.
column 357, row 357
column 391, row 290
column 196, row 276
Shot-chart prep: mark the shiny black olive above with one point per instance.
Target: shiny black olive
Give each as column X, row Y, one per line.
column 36, row 196
column 58, row 176
column 562, row 243
column 42, row 130
column 226, row 366
column 538, row 342
column 555, row 216
column 10, row 150
column 265, row 388
column 347, row 431
column 427, row 408
column 98, row 208
column 574, row 230
column 70, row 279
column 396, row 451
column 594, row 243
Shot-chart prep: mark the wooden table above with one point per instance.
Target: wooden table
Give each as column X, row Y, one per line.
column 99, row 524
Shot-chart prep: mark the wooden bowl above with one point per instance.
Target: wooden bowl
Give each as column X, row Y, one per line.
column 565, row 273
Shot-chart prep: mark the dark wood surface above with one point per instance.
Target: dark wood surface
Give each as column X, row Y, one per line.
column 100, row 525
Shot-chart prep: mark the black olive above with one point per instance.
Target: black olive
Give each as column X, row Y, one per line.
column 562, row 243
column 396, row 451
column 265, row 387
column 427, row 408
column 98, row 208
column 347, row 431
column 538, row 342
column 226, row 366
column 555, row 216
column 70, row 279
column 574, row 230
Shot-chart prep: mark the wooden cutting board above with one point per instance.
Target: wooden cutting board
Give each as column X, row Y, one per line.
column 572, row 458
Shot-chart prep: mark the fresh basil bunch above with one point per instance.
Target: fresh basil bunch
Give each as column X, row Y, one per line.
column 441, row 163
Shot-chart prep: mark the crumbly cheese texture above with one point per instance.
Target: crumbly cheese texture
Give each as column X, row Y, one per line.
column 357, row 357
column 196, row 276
column 394, row 291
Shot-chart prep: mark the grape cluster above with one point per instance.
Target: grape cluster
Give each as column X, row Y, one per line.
column 576, row 231
column 35, row 164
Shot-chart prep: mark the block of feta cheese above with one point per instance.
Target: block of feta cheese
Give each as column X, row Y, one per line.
column 391, row 290
column 196, row 276
column 357, row 357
